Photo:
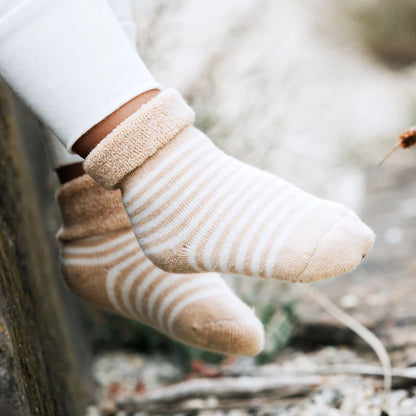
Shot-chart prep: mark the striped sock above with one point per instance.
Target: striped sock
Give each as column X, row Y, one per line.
column 103, row 263
column 194, row 208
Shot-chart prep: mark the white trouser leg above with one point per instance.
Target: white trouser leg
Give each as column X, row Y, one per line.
column 8, row 5
column 123, row 12
column 57, row 154
column 71, row 63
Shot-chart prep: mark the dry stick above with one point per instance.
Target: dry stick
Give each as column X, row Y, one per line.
column 361, row 331
column 365, row 370
column 222, row 388
column 224, row 405
column 249, row 391
column 406, row 139
column 343, row 369
column 389, row 153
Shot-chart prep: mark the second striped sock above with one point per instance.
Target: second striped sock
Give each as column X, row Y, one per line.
column 104, row 264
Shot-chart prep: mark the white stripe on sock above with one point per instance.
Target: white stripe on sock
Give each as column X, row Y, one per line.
column 264, row 203
column 137, row 189
column 99, row 260
column 199, row 171
column 112, row 278
column 257, row 222
column 144, row 285
column 187, row 287
column 128, row 283
column 168, row 281
column 196, row 297
column 100, row 247
column 236, row 202
column 284, row 214
column 175, row 224
column 285, row 233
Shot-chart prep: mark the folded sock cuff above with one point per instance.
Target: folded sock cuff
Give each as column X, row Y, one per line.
column 88, row 209
column 138, row 137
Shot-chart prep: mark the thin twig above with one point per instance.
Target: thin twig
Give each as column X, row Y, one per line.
column 369, row 337
column 388, row 154
column 222, row 388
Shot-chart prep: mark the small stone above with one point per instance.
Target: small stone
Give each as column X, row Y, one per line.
column 211, row 401
column 209, row 413
column 92, row 411
column 108, row 408
column 236, row 412
column 349, row 301
column 408, row 404
column 194, row 404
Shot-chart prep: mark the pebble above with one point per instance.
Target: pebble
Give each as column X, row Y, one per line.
column 349, row 301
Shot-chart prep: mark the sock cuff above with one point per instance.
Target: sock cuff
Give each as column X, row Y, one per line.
column 138, row 137
column 88, row 209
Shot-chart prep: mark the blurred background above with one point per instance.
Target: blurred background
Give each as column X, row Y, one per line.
column 315, row 91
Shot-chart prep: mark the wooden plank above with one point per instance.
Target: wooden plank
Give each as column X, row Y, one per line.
column 45, row 371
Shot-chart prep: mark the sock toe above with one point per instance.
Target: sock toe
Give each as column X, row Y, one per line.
column 238, row 331
column 236, row 337
column 341, row 249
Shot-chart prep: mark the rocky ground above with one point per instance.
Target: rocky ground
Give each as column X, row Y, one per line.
column 310, row 384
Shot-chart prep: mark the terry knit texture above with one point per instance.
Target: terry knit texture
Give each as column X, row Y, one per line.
column 138, row 137
column 87, row 210
column 106, row 267
column 193, row 209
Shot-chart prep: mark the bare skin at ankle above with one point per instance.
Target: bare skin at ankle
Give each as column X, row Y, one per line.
column 69, row 172
column 94, row 135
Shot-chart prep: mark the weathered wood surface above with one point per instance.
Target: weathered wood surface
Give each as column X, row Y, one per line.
column 39, row 369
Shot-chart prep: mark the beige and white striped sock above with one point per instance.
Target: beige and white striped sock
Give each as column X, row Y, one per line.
column 194, row 208
column 104, row 264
